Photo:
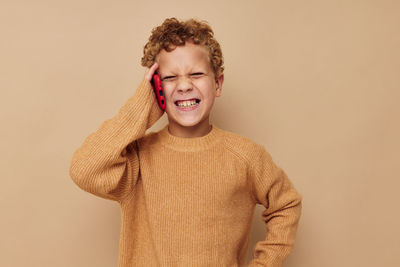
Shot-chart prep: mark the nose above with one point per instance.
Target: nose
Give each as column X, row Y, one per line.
column 184, row 84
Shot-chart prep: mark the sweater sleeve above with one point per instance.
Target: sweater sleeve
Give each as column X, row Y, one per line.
column 107, row 163
column 273, row 190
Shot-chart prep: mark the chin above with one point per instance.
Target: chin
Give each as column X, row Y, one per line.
column 188, row 123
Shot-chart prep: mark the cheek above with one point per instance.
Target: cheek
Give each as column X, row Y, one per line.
column 167, row 93
column 206, row 87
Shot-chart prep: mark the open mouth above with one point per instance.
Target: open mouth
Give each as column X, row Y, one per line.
column 187, row 103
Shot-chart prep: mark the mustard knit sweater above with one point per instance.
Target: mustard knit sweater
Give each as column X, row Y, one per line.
column 186, row 201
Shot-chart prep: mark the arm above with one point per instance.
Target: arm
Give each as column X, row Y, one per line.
column 107, row 163
column 273, row 189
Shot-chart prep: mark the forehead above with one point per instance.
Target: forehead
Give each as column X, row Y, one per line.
column 184, row 58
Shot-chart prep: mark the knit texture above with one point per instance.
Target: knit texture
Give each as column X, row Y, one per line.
column 186, row 201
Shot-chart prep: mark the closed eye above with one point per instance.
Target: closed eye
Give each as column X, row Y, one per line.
column 168, row 78
column 197, row 74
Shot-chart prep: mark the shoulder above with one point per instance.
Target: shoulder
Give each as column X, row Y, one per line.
column 243, row 147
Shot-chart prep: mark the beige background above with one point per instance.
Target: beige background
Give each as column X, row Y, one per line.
column 316, row 82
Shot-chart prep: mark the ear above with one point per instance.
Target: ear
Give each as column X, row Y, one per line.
column 218, row 84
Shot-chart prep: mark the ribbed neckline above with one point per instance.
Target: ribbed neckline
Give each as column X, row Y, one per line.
column 190, row 144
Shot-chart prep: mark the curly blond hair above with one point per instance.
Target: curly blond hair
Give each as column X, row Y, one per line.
column 173, row 33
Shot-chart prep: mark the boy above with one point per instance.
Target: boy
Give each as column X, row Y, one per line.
column 187, row 193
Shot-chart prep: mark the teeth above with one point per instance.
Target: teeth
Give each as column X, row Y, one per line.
column 186, row 103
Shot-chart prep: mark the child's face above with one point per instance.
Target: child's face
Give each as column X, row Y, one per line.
column 189, row 85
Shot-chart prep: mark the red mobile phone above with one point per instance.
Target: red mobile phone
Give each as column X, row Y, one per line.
column 156, row 81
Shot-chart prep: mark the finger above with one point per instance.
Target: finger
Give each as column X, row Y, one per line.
column 150, row 72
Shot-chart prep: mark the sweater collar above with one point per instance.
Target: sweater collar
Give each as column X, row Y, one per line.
column 190, row 144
